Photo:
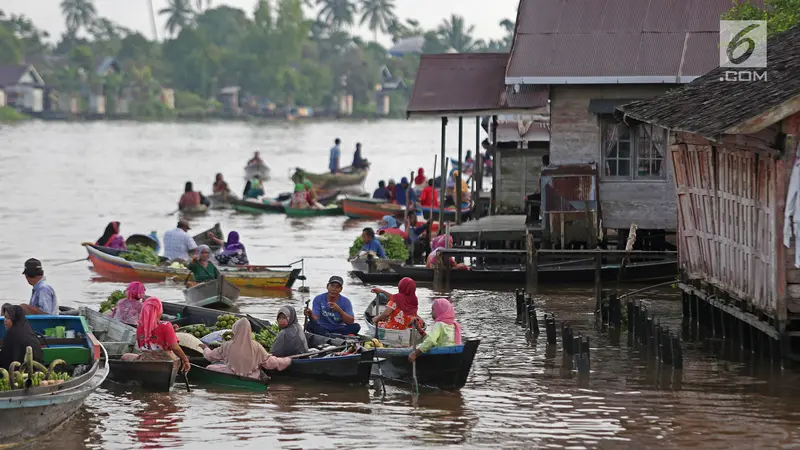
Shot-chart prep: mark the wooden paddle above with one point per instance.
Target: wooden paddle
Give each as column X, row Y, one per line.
column 70, row 262
column 322, row 352
column 414, row 381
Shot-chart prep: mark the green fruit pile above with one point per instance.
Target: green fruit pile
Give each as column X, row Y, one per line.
column 225, row 322
column 198, row 330
column 393, row 244
column 112, row 300
column 227, row 336
column 141, row 254
column 267, row 336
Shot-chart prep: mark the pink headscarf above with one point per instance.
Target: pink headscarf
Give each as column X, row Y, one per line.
column 443, row 312
column 406, row 300
column 439, row 242
column 242, row 354
column 135, row 291
column 148, row 318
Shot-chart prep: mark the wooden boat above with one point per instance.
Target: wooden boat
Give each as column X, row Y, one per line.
column 117, row 337
column 219, row 293
column 143, row 239
column 377, row 277
column 156, row 376
column 26, row 414
column 367, row 208
column 258, row 207
column 200, row 375
column 348, row 177
column 203, row 239
column 312, row 212
column 194, row 210
column 253, row 170
column 374, row 265
column 222, row 201
column 108, row 265
column 449, row 213
column 348, row 369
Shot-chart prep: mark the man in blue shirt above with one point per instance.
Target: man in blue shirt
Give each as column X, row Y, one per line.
column 43, row 297
column 371, row 244
column 381, row 193
column 332, row 313
column 336, row 153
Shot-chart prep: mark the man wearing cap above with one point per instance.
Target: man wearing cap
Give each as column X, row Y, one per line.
column 43, row 297
column 178, row 244
column 332, row 313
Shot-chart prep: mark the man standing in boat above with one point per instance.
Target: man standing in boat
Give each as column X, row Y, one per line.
column 43, row 297
column 332, row 313
column 178, row 244
column 336, row 154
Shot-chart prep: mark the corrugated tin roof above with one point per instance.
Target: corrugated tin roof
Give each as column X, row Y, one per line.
column 710, row 107
column 528, row 96
column 10, row 75
column 613, row 41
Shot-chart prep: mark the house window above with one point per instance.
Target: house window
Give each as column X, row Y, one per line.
column 633, row 152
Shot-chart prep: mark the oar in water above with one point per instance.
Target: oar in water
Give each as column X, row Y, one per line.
column 71, row 262
column 414, row 381
column 186, row 380
column 173, row 212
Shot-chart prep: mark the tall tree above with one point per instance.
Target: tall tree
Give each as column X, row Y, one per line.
column 153, row 26
column 10, row 48
column 179, row 15
column 779, row 14
column 202, row 5
column 455, row 34
column 78, row 13
column 378, row 15
column 338, row 14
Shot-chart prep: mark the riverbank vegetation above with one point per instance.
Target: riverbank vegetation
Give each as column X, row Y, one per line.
column 10, row 115
column 282, row 55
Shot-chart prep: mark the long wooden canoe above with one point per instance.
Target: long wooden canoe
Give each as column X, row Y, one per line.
column 348, row 177
column 258, row 207
column 219, row 293
column 367, row 208
column 117, row 338
column 202, row 376
column 114, row 268
column 312, row 212
column 152, row 375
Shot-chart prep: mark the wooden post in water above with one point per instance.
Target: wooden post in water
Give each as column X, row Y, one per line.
column 531, row 266
column 438, row 272
column 444, row 174
column 460, row 168
column 477, row 171
column 598, row 280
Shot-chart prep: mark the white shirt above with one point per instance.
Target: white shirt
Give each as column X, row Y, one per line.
column 178, row 244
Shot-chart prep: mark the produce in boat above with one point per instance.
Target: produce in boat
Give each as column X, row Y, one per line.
column 141, row 254
column 393, row 244
column 112, row 301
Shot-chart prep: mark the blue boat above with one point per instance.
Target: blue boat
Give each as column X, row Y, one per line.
column 28, row 413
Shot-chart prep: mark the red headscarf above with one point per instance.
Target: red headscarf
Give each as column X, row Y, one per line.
column 420, row 178
column 148, row 318
column 443, row 312
column 406, row 299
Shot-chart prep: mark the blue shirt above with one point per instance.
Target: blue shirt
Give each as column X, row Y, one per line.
column 374, row 246
column 381, row 193
column 44, row 298
column 328, row 318
column 334, row 161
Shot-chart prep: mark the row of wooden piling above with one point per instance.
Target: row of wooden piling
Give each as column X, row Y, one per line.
column 660, row 341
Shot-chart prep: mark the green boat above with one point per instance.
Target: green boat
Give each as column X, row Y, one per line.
column 202, row 376
column 311, row 212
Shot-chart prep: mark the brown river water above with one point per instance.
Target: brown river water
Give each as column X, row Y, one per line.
column 62, row 183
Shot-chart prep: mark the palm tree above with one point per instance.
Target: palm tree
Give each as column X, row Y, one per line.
column 153, row 21
column 338, row 14
column 456, row 34
column 202, row 4
column 78, row 13
column 179, row 15
column 379, row 14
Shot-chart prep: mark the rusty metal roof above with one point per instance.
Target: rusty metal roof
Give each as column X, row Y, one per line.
column 615, row 41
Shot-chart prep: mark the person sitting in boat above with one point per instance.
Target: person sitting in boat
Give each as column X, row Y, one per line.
column 43, row 298
column 178, row 245
column 299, row 197
column 371, row 244
column 256, row 160
column 128, row 309
column 389, row 225
column 111, row 237
column 191, row 199
column 156, row 340
column 401, row 311
column 311, row 196
column 358, row 161
column 429, row 198
column 332, row 313
column 19, row 336
column 335, row 155
column 292, row 339
column 253, row 189
column 201, row 267
column 382, row 193
column 242, row 355
column 220, row 186
column 420, row 181
column 451, row 190
column 403, row 193
column 233, row 252
column 445, row 331
column 391, row 187
column 438, row 243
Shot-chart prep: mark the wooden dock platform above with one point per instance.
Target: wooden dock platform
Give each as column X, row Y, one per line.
column 494, row 228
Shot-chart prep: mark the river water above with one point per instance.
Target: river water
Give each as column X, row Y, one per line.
column 62, row 183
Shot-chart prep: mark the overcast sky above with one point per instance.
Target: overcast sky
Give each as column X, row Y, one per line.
column 133, row 14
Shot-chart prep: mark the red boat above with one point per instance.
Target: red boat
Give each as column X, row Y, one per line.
column 367, row 208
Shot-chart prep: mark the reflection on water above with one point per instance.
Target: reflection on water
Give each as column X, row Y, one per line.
column 520, row 394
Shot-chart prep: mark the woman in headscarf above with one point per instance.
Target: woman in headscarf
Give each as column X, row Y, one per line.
column 233, row 252
column 156, row 340
column 190, row 198
column 128, row 309
column 401, row 310
column 438, row 243
column 445, row 331
column 389, row 225
column 111, row 237
column 253, row 188
column 299, row 197
column 420, row 181
column 292, row 339
column 311, row 195
column 19, row 336
column 429, row 197
column 242, row 355
column 220, row 186
column 391, row 186
column 201, row 267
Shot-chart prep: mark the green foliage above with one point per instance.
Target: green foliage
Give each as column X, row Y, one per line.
column 141, row 254
column 779, row 14
column 8, row 115
column 393, row 244
column 10, row 47
column 112, row 300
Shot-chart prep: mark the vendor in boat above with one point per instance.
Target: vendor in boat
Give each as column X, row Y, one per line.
column 429, row 198
column 332, row 313
column 220, row 186
column 156, row 340
column 382, row 193
column 371, row 244
column 469, row 163
column 335, row 156
column 19, row 336
column 438, row 243
column 417, row 236
column 389, row 225
column 358, row 161
column 445, row 331
column 404, row 195
column 451, row 190
column 253, row 188
column 299, row 197
column 233, row 252
column 256, row 160
column 43, row 298
column 401, row 311
column 191, row 199
column 128, row 309
column 201, row 267
column 178, row 245
column 242, row 356
column 291, row 340
column 111, row 237
column 311, row 195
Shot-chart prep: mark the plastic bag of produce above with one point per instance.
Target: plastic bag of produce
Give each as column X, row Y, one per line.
column 213, row 337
